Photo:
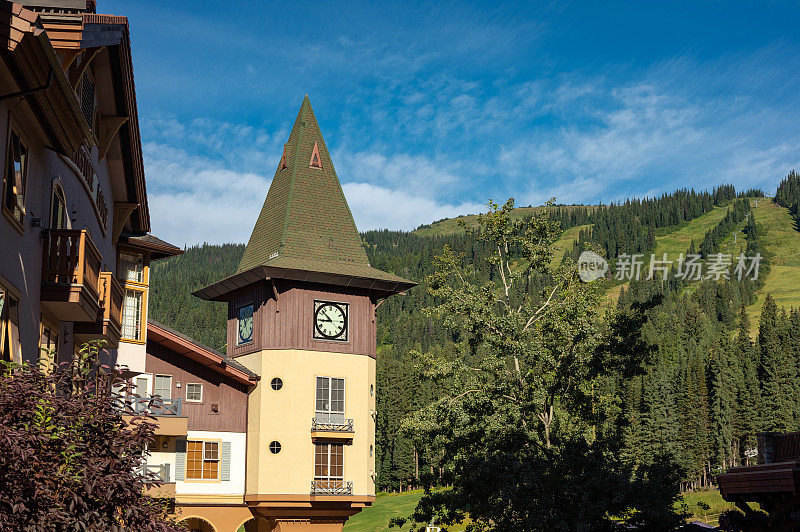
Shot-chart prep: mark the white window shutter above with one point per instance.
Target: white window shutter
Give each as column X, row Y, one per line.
column 180, row 458
column 226, row 460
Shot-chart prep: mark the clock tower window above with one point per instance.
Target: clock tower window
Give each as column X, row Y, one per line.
column 244, row 325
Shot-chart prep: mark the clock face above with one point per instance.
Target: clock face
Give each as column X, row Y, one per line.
column 245, row 321
column 330, row 320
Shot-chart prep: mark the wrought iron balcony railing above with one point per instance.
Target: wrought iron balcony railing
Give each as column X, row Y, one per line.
column 331, row 423
column 331, row 487
column 155, row 406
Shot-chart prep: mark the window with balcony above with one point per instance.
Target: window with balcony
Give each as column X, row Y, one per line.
column 328, row 468
column 162, row 386
column 202, row 460
column 10, row 346
column 330, row 399
column 58, row 214
column 16, row 173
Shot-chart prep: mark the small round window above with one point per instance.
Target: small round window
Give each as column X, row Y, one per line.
column 276, row 383
column 274, row 447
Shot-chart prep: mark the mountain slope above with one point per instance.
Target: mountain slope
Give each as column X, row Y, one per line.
column 783, row 244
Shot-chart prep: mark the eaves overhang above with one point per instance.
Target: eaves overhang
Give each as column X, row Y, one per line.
column 221, row 290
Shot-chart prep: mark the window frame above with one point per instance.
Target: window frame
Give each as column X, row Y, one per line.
column 203, row 460
column 200, row 384
column 143, row 287
column 57, row 190
column 328, row 477
column 13, row 131
column 171, row 380
column 142, row 329
column 51, row 326
column 330, row 410
column 240, row 343
column 14, row 352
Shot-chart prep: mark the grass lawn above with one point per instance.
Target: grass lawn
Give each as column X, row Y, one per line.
column 386, row 507
column 713, row 499
column 782, row 240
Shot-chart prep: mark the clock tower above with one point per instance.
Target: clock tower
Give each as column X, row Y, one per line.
column 301, row 314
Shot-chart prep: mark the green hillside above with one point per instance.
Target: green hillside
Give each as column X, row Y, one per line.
column 453, row 226
column 783, row 244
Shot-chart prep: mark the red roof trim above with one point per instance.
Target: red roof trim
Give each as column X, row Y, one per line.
column 197, row 353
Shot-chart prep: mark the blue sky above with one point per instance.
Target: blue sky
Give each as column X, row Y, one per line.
column 431, row 109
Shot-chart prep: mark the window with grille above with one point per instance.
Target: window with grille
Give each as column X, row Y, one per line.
column 202, row 460
column 194, row 392
column 329, row 465
column 15, row 177
column 162, row 386
column 330, row 399
column 132, row 315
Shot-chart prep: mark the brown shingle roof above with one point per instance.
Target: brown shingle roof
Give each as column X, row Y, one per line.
column 305, row 227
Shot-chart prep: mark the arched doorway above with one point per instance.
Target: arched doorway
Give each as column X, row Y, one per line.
column 197, row 524
column 251, row 525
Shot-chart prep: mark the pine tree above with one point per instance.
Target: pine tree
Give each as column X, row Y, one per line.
column 775, row 373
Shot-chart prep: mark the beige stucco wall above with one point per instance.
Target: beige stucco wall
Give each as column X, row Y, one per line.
column 286, row 415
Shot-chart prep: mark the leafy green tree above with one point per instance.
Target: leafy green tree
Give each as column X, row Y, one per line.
column 511, row 420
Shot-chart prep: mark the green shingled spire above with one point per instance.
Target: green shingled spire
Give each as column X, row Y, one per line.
column 305, row 223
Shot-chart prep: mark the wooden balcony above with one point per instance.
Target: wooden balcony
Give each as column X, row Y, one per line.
column 70, row 275
column 108, row 325
column 168, row 413
column 776, row 476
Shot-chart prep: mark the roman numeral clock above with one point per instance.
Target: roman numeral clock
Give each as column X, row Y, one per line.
column 301, row 313
column 330, row 321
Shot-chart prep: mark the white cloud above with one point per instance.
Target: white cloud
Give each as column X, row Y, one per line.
column 376, row 207
column 195, row 199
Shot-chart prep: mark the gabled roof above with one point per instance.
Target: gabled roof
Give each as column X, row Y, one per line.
column 72, row 33
column 305, row 228
column 183, row 345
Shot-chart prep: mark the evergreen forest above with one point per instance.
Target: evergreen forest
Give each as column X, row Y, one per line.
column 701, row 376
